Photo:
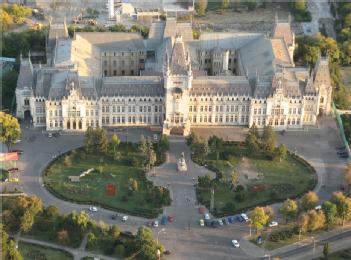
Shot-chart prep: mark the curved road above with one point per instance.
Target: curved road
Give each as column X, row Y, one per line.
column 184, row 237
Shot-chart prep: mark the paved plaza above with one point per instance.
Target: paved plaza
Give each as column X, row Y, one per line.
column 184, row 237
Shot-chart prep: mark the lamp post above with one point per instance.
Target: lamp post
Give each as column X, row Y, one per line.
column 314, row 246
column 158, row 233
column 267, row 255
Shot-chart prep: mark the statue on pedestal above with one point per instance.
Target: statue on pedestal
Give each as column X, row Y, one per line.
column 182, row 164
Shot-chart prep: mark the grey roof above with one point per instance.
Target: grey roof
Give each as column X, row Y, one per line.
column 63, row 55
column 258, row 56
column 226, row 85
column 132, row 86
column 25, row 77
column 118, row 41
column 178, row 64
column 173, row 29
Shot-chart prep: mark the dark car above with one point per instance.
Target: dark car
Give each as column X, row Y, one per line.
column 114, row 216
column 225, row 221
column 341, row 152
column 231, row 219
column 239, row 218
column 345, row 156
column 167, row 252
column 163, row 220
column 214, row 224
column 208, row 222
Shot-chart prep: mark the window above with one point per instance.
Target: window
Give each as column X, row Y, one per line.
column 26, row 102
column 123, row 72
column 105, row 72
column 190, row 109
column 132, row 72
column 114, row 63
column 105, row 62
column 114, row 72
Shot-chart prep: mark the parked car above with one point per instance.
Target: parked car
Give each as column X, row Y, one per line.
column 231, row 219
column 202, row 222
column 114, row 216
column 167, row 252
column 17, row 151
column 155, row 223
column 318, row 207
column 214, row 223
column 207, row 216
column 93, row 209
column 273, row 224
column 163, row 220
column 124, row 218
column 49, row 135
column 220, row 222
column 170, row 219
column 235, row 243
column 208, row 222
column 149, row 223
column 225, row 221
column 341, row 152
column 345, row 156
column 244, row 217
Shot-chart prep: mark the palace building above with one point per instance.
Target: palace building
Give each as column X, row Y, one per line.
column 172, row 81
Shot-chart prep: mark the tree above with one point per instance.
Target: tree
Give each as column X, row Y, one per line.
column 164, row 143
column 300, row 5
column 215, row 144
column 252, row 139
column 114, row 231
column 51, row 212
column 234, row 177
column 63, row 237
column 8, row 248
column 302, row 222
column 133, row 184
column 18, row 12
column 330, row 211
column 282, row 150
column 5, row 20
column 309, row 200
column 347, row 21
column 269, row 212
column 200, row 148
column 146, row 244
column 10, row 129
column 200, row 7
column 103, row 140
column 89, row 140
column 343, row 205
column 225, row 4
column 27, row 221
column 119, row 250
column 33, row 204
column 326, row 250
column 259, row 218
column 316, row 220
column 268, row 138
column 204, row 181
column 115, row 143
column 79, row 220
column 143, row 145
column 67, row 161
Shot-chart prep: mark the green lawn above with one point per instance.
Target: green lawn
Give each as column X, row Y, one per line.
column 346, row 76
column 92, row 187
column 281, row 180
column 3, row 175
column 346, row 120
column 37, row 252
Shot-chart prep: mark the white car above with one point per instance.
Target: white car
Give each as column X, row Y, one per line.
column 155, row 223
column 235, row 243
column 273, row 224
column 207, row 216
column 318, row 207
column 124, row 218
column 93, row 209
column 220, row 222
column 245, row 217
column 202, row 222
column 49, row 135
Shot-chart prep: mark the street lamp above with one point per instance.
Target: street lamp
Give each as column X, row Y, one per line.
column 158, row 233
column 314, row 246
column 269, row 256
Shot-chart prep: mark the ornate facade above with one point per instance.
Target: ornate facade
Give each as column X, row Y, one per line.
column 172, row 81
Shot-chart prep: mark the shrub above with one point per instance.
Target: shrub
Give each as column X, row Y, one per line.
column 67, row 161
column 119, row 250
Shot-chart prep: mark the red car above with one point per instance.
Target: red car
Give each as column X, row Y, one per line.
column 201, row 210
column 170, row 219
